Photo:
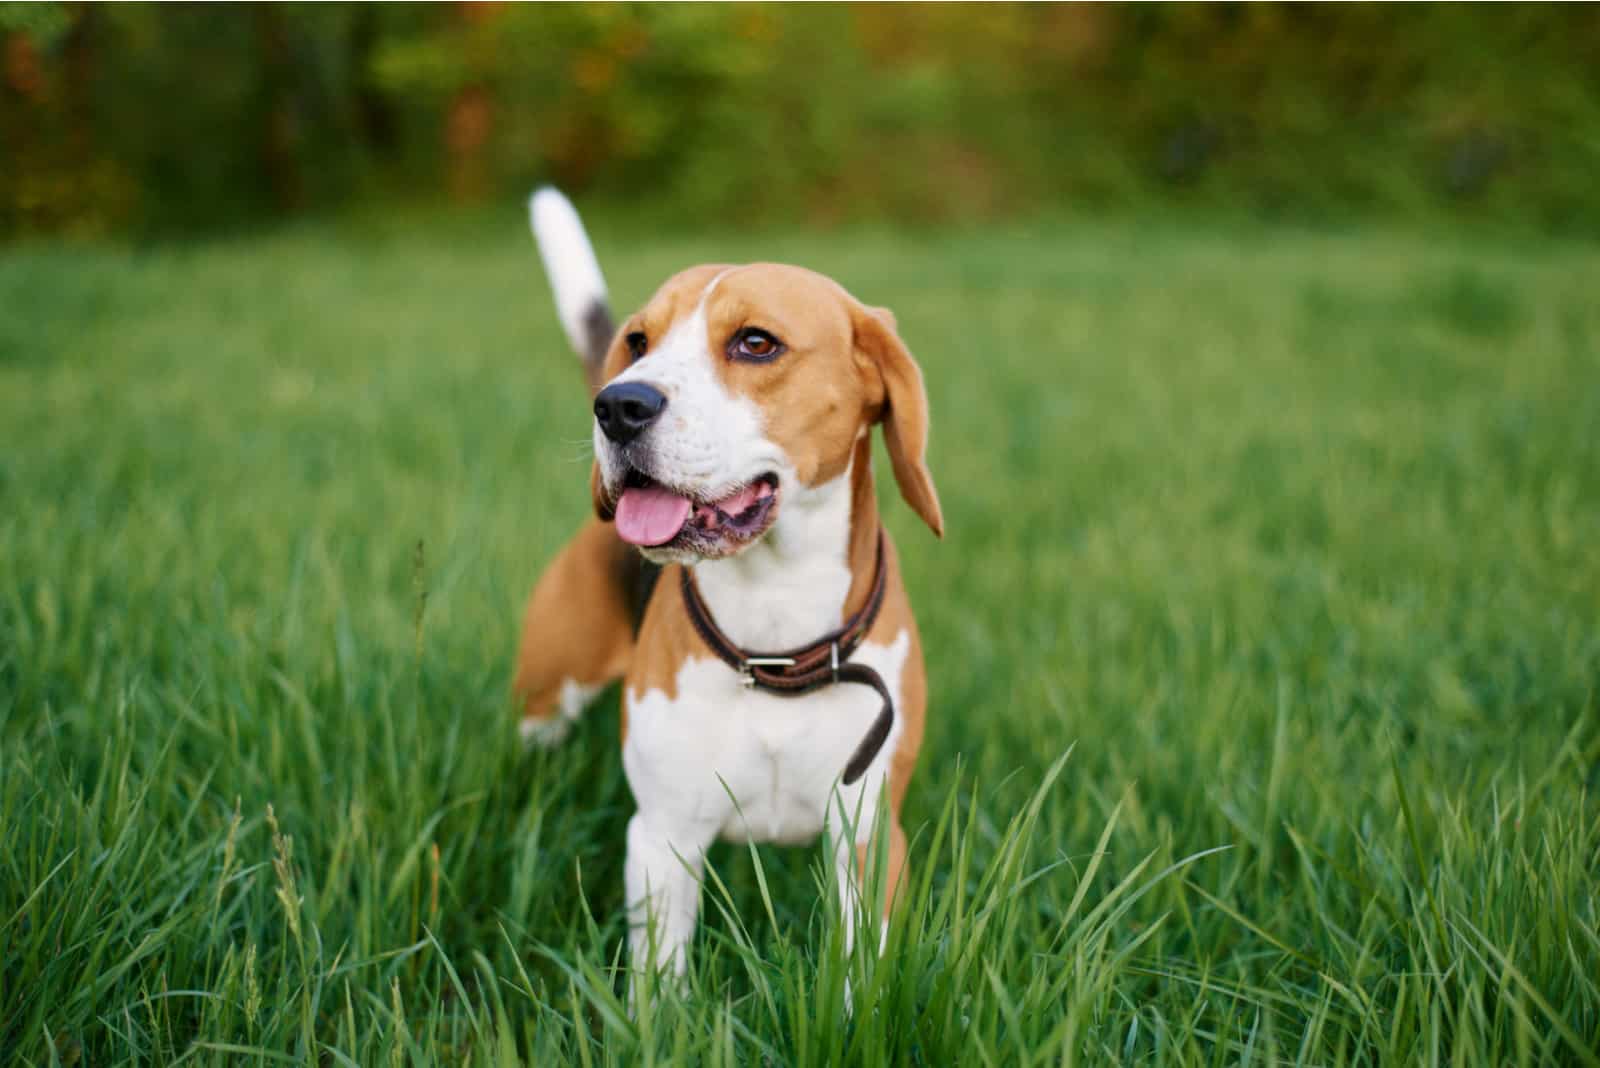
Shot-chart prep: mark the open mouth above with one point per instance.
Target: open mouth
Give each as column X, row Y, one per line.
column 651, row 515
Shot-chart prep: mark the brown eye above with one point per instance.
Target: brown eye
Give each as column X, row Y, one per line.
column 753, row 344
column 637, row 344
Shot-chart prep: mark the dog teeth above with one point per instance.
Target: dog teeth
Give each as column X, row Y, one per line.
column 711, row 518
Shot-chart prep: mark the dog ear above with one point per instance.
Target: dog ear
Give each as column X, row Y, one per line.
column 904, row 411
column 615, row 362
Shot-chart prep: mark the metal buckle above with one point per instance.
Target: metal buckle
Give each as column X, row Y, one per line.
column 833, row 659
column 747, row 675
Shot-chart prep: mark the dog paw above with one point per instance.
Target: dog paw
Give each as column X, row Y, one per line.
column 546, row 732
column 551, row 730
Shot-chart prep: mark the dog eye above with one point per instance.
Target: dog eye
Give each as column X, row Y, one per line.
column 753, row 344
column 637, row 343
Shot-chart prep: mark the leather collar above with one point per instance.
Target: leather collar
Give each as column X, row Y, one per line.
column 810, row 667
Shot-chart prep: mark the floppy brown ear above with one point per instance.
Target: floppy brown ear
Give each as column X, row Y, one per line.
column 615, row 362
column 904, row 414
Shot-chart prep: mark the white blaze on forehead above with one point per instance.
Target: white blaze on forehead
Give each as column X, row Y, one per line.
column 705, row 294
column 709, row 441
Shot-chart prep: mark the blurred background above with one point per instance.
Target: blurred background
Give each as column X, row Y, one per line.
column 155, row 118
column 1263, row 349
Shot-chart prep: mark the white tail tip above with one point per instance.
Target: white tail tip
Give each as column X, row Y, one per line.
column 571, row 267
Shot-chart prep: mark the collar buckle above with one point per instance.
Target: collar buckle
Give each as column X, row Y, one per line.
column 747, row 669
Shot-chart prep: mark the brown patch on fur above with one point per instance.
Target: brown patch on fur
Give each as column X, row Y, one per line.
column 897, row 864
column 862, row 548
column 913, row 712
column 578, row 623
column 666, row 639
column 895, row 616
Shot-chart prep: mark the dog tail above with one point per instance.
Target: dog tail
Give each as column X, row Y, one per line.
column 575, row 278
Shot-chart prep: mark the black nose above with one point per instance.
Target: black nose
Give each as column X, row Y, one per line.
column 624, row 409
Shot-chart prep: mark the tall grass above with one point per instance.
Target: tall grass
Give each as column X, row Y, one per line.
column 1287, row 539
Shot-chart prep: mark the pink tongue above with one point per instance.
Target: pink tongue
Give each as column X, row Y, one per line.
column 650, row 515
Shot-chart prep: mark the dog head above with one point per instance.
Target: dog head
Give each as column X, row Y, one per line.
column 735, row 388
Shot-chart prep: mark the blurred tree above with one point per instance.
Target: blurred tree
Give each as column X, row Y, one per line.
column 157, row 116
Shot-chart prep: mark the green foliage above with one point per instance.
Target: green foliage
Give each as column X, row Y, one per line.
column 1289, row 539
column 42, row 22
column 171, row 116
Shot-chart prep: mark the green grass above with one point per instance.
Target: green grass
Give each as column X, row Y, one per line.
column 1289, row 538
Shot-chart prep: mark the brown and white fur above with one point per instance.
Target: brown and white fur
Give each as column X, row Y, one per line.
column 705, row 756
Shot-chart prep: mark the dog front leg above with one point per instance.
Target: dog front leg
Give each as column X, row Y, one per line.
column 856, row 857
column 665, row 863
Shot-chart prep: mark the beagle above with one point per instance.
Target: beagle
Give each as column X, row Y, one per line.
column 733, row 467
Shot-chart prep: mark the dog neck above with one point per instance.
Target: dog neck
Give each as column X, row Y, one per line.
column 810, row 571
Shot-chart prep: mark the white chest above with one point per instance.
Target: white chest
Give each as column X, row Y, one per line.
column 753, row 766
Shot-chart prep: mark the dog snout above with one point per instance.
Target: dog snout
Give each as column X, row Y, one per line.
column 625, row 409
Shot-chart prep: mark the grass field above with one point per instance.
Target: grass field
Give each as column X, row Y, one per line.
column 1290, row 540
